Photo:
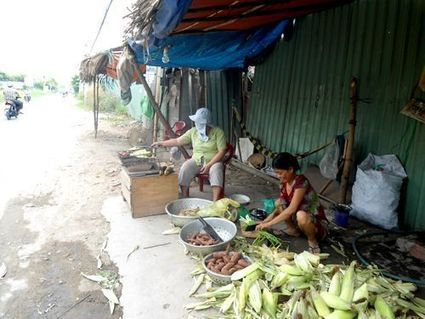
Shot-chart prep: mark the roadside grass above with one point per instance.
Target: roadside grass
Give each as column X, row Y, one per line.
column 109, row 106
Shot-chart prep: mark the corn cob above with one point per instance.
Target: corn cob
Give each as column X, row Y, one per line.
column 254, row 296
column 320, row 305
column 269, row 302
column 334, row 301
column 383, row 308
column 313, row 259
column 335, row 286
column 227, row 303
column 279, row 280
column 303, row 263
column 291, row 270
column 245, row 272
column 341, row 314
column 361, row 293
column 347, row 286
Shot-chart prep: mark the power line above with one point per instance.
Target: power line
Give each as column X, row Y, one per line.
column 101, row 26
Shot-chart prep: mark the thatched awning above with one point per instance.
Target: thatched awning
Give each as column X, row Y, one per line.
column 102, row 63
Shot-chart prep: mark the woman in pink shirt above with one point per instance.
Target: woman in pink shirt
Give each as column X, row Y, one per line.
column 298, row 205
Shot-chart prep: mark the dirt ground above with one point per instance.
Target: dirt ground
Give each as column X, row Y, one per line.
column 61, row 214
column 51, row 229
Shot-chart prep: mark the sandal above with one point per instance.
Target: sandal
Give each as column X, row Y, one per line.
column 314, row 249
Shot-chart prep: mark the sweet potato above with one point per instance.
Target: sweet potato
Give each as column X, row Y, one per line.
column 235, row 257
column 219, row 266
column 219, row 254
column 232, row 270
column 242, row 262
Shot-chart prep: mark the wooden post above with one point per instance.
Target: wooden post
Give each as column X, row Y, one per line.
column 158, row 110
column 352, row 128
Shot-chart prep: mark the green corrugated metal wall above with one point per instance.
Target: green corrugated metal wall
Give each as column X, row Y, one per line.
column 223, row 87
column 300, row 96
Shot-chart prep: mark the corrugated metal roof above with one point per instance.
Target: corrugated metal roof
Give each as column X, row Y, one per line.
column 300, row 96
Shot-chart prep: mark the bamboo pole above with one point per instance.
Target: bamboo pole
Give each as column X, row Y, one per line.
column 352, row 128
column 158, row 110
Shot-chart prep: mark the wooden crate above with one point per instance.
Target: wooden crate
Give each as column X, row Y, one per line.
column 148, row 195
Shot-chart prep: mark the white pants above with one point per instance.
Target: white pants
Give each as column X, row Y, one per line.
column 189, row 170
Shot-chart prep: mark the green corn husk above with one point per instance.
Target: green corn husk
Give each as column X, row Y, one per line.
column 285, row 292
column 291, row 270
column 347, row 285
column 373, row 286
column 361, row 293
column 200, row 304
column 334, row 301
column 221, row 292
column 269, row 302
column 238, row 275
column 243, row 294
column 320, row 305
column 341, row 314
column 278, row 280
column 197, row 284
column 300, row 309
column 254, row 296
column 335, row 285
column 411, row 306
column 419, row 302
column 313, row 259
column 303, row 263
column 383, row 308
column 228, row 302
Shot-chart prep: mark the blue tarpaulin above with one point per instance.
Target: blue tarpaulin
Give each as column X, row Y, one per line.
column 210, row 50
column 169, row 14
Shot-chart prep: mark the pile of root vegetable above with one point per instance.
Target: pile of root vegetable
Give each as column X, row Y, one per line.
column 281, row 284
column 201, row 239
column 225, row 263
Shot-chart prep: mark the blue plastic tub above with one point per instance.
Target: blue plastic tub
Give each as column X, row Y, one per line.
column 342, row 215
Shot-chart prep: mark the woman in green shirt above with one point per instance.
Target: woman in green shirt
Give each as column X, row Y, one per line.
column 209, row 147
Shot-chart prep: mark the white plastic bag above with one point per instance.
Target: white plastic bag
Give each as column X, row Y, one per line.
column 329, row 163
column 376, row 191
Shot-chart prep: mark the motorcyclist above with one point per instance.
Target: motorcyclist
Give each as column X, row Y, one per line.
column 12, row 95
column 27, row 96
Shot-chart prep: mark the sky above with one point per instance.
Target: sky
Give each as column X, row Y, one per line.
column 51, row 37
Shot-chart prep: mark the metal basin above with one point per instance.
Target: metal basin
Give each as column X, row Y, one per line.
column 224, row 228
column 220, row 278
column 175, row 207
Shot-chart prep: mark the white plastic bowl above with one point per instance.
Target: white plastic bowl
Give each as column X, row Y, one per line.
column 240, row 198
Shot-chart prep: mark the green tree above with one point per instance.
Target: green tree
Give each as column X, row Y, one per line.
column 39, row 85
column 75, row 83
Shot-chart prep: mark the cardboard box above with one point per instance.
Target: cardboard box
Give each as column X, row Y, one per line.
column 147, row 195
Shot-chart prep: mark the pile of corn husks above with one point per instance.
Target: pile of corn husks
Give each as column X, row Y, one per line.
column 281, row 284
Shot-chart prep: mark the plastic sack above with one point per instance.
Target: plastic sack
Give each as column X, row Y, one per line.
column 376, row 191
column 329, row 163
column 225, row 208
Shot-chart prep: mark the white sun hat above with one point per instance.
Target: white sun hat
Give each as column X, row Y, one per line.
column 202, row 116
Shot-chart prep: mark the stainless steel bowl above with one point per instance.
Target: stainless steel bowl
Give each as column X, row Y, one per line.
column 175, row 207
column 216, row 277
column 224, row 228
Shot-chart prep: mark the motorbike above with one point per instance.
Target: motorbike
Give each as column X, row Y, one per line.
column 10, row 110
